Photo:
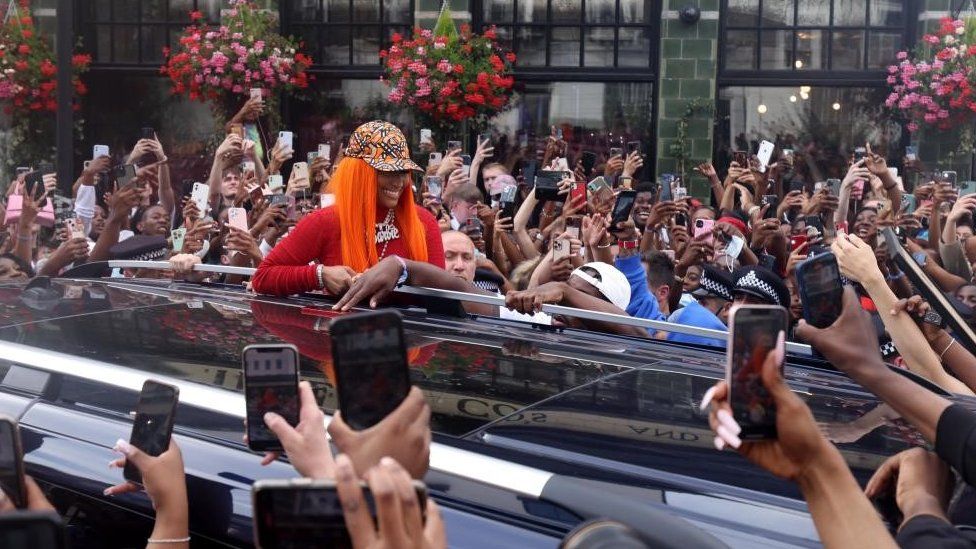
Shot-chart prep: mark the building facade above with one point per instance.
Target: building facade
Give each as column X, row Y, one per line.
column 809, row 74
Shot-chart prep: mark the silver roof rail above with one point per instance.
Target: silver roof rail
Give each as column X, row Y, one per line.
column 498, row 301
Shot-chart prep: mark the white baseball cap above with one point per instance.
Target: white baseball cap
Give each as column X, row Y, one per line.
column 609, row 281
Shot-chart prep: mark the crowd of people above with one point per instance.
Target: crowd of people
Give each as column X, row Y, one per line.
column 548, row 229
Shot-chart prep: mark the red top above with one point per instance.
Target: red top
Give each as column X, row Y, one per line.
column 287, row 269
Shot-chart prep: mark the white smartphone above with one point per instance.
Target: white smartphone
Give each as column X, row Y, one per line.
column 300, row 169
column 99, row 150
column 76, row 227
column 325, row 151
column 426, row 136
column 560, row 249
column 237, row 217
column 200, row 195
column 256, row 93
column 435, row 158
column 764, row 154
column 286, row 138
column 275, row 182
column 178, row 235
column 326, row 200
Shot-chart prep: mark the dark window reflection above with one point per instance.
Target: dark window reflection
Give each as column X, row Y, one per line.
column 848, row 50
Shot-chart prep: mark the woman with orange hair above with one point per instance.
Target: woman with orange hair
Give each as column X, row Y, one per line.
column 374, row 216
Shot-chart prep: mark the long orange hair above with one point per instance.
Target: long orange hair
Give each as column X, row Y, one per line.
column 355, row 185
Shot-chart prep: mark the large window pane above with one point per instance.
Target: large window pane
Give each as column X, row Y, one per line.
column 100, row 10
column 566, row 11
column 889, row 13
column 601, row 11
column 125, row 40
column 848, row 50
column 883, row 48
column 777, row 13
column 499, row 11
column 636, row 11
column 849, row 12
column 813, row 12
column 125, row 10
column 397, row 11
column 336, row 11
column 598, row 47
column 365, row 11
column 531, row 46
column 153, row 40
column 310, row 36
column 154, row 10
column 366, row 46
column 743, row 13
column 740, row 50
column 179, row 10
column 103, row 44
column 531, row 11
column 335, row 46
column 777, row 50
column 634, row 48
column 811, row 50
column 305, row 10
column 821, row 124
column 565, row 47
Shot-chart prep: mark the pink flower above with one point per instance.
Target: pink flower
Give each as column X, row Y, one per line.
column 930, row 118
column 445, row 66
column 902, row 55
column 237, row 89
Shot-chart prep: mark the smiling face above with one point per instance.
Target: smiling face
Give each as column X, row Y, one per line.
column 10, row 270
column 642, row 208
column 390, row 186
column 230, row 183
column 864, row 225
column 154, row 222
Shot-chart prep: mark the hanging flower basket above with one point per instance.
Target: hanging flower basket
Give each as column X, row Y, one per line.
column 444, row 77
column 214, row 64
column 933, row 87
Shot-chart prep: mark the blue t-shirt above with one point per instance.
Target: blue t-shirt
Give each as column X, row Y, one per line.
column 694, row 314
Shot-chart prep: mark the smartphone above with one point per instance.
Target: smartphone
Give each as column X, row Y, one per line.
column 153, row 424
column 599, row 189
column 752, row 335
column 588, row 159
column 965, row 188
column 76, row 227
column 435, row 158
column 560, row 249
column 633, row 147
column 797, row 240
column 32, row 530
column 426, row 135
column 300, row 169
column 860, row 153
column 326, row 200
column 148, row 133
column 547, row 185
column 949, row 177
column 574, row 226
column 665, row 194
column 911, row 153
column 814, row 221
column 772, row 201
column 834, row 185
column 466, row 164
column 256, row 93
column 625, row 182
column 484, row 138
column 308, row 513
column 12, row 463
column 286, row 139
column 325, row 151
column 821, row 289
column 453, row 146
column 576, row 191
column 616, row 151
column 372, row 375
column 435, row 185
column 740, row 158
column 237, row 217
column 622, row 207
column 557, row 132
column 765, row 154
column 275, row 182
column 270, row 385
column 99, row 150
column 703, row 227
column 126, row 175
column 507, row 201
column 178, row 236
column 201, row 196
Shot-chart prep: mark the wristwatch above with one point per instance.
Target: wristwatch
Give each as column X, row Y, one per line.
column 920, row 258
column 628, row 244
column 403, row 274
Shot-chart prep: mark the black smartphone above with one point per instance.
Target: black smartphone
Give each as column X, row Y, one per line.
column 270, row 385
column 753, row 336
column 798, row 185
column 814, row 221
column 12, row 463
column 622, row 208
column 307, row 513
column 859, row 153
column 148, row 133
column 372, row 375
column 588, row 159
column 32, row 530
column 153, row 424
column 768, row 261
column 528, row 172
column 125, row 174
column 821, row 290
column 665, row 195
column 633, row 147
column 772, row 201
column 34, row 183
column 547, row 185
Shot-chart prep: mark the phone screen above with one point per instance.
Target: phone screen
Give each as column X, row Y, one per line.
column 296, row 517
column 11, row 464
column 372, row 374
column 270, row 385
column 153, row 424
column 821, row 291
column 589, row 160
column 666, row 195
column 622, row 207
column 754, row 332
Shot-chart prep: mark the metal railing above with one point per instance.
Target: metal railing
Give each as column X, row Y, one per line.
column 495, row 300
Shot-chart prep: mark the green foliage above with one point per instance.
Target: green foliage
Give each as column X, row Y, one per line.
column 445, row 23
column 679, row 150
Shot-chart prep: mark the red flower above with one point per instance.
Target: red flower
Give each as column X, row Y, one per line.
column 23, row 49
column 510, row 57
column 475, row 98
column 21, row 65
column 458, row 68
column 196, row 15
column 47, row 68
column 396, row 38
column 27, row 33
column 490, row 34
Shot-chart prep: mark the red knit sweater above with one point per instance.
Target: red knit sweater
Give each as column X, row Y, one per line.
column 287, row 269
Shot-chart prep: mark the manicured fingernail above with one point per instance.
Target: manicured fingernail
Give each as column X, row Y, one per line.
column 122, row 447
column 719, row 443
column 781, row 347
column 107, row 492
column 732, row 440
column 707, row 398
column 726, row 419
